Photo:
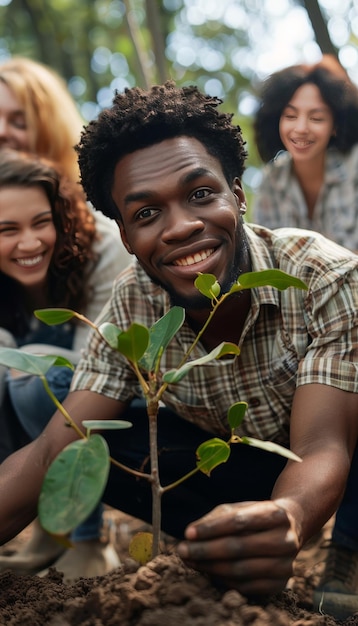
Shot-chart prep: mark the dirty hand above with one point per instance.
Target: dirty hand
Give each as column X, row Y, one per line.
column 248, row 546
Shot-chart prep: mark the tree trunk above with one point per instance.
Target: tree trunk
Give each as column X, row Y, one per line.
column 319, row 27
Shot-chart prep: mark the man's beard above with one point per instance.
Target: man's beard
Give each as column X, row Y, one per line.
column 239, row 265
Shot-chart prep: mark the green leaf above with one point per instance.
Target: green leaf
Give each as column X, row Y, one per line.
column 132, row 343
column 208, row 285
column 31, row 363
column 54, row 316
column 236, row 414
column 74, row 484
column 269, row 446
column 110, row 332
column 212, row 453
column 106, row 424
column 160, row 335
column 174, row 376
column 275, row 278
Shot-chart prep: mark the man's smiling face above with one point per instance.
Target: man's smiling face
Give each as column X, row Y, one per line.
column 179, row 216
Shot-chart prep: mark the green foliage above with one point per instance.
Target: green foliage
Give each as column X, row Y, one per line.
column 174, row 376
column 236, row 414
column 105, row 425
column 74, row 485
column 131, row 343
column 55, row 316
column 160, row 335
column 212, row 453
column 208, row 285
column 31, row 363
column 75, row 481
column 275, row 278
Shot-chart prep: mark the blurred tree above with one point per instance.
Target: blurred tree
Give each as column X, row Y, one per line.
column 319, row 27
column 143, row 41
column 105, row 45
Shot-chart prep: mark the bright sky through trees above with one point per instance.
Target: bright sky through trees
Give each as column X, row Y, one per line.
column 279, row 33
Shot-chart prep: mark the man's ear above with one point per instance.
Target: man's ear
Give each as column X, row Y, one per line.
column 239, row 195
column 124, row 236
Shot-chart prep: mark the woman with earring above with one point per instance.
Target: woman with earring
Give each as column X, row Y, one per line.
column 306, row 131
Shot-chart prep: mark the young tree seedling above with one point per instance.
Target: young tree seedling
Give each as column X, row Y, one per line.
column 75, row 481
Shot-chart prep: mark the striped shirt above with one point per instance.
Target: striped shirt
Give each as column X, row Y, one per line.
column 290, row 338
column 279, row 200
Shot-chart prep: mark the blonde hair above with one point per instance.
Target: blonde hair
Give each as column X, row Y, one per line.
column 51, row 114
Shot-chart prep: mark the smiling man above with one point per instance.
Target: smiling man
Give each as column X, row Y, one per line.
column 180, row 236
column 166, row 164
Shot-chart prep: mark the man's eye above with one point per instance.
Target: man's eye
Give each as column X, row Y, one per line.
column 145, row 213
column 199, row 194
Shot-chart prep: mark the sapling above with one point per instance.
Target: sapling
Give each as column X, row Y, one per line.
column 76, row 479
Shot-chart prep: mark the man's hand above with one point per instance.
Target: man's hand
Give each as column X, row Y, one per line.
column 247, row 546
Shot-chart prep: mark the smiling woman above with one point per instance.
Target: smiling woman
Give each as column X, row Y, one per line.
column 55, row 251
column 27, row 238
column 46, row 227
column 307, row 131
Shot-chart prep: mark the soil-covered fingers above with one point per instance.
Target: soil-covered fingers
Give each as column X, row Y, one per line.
column 271, row 543
column 251, row 577
column 242, row 517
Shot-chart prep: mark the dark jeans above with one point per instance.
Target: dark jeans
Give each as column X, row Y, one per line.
column 249, row 474
column 12, row 434
column 345, row 531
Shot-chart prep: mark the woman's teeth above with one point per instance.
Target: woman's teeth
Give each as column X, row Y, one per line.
column 29, row 262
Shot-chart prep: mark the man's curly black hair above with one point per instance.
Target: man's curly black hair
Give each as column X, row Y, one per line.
column 138, row 119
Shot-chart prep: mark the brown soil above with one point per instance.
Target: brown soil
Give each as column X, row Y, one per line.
column 162, row 593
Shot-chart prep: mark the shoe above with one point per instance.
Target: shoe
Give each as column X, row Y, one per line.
column 86, row 559
column 40, row 551
column 337, row 594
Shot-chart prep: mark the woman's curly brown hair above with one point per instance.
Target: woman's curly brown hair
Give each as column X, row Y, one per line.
column 76, row 232
column 138, row 119
column 337, row 91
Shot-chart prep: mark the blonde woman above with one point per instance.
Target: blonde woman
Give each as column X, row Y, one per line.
column 38, row 113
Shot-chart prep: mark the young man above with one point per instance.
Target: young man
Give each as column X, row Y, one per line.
column 166, row 165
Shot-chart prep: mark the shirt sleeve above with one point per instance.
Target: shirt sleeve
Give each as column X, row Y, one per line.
column 332, row 354
column 102, row 369
column 112, row 259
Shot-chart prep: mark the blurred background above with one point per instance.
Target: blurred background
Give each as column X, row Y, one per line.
column 226, row 47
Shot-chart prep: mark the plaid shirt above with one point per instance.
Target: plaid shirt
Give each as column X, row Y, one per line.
column 290, row 338
column 279, row 201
